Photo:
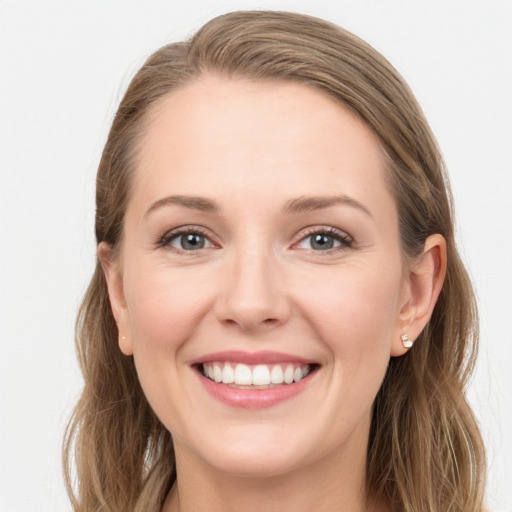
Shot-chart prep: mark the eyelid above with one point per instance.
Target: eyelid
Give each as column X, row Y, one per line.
column 343, row 237
column 164, row 240
column 346, row 241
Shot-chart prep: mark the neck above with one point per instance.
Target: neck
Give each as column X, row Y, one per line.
column 335, row 482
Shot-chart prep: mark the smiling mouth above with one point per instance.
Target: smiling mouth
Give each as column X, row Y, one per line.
column 259, row 376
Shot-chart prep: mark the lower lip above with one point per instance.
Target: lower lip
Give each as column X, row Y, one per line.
column 254, row 398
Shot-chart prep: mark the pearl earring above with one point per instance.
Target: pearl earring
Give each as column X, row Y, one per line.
column 406, row 342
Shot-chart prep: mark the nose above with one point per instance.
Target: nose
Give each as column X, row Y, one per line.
column 252, row 294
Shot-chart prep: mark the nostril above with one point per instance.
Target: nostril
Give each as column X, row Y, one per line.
column 252, row 298
column 252, row 322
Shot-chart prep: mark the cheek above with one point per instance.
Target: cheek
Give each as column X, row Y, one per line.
column 164, row 307
column 354, row 312
column 356, row 298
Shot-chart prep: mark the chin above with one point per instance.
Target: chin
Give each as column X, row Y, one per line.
column 261, row 466
column 256, row 453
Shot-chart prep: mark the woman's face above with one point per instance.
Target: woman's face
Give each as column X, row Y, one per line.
column 261, row 245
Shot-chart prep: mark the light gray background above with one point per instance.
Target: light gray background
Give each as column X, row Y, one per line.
column 63, row 66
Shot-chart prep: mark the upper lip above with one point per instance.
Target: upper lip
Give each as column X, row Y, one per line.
column 251, row 358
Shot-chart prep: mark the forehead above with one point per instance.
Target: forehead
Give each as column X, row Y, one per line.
column 222, row 136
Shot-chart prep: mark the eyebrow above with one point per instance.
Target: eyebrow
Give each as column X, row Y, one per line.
column 193, row 202
column 299, row 205
column 310, row 203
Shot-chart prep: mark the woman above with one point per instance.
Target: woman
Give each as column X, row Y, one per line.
column 279, row 319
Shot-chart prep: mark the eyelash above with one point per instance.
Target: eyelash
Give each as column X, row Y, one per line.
column 346, row 242
column 167, row 238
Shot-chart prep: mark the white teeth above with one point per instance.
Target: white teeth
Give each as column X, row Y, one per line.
column 217, row 373
column 261, row 375
column 228, row 374
column 258, row 375
column 288, row 374
column 243, row 375
column 276, row 376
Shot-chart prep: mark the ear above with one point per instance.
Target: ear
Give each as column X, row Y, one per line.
column 422, row 286
column 114, row 279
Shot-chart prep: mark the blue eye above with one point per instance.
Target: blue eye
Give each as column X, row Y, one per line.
column 325, row 240
column 188, row 241
column 322, row 242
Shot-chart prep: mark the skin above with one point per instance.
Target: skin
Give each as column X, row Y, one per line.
column 260, row 284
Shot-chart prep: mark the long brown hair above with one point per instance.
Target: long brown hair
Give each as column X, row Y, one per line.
column 425, row 452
